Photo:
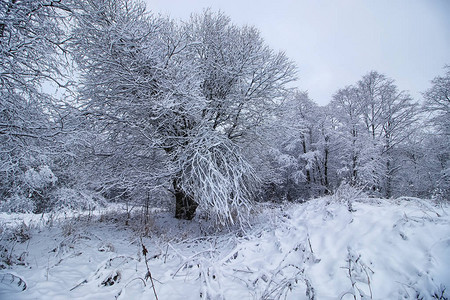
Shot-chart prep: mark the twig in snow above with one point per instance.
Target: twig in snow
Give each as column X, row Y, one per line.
column 191, row 257
column 138, row 278
column 310, row 247
column 149, row 274
column 165, row 255
column 78, row 285
column 356, row 268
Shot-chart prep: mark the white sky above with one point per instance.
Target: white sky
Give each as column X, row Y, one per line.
column 335, row 42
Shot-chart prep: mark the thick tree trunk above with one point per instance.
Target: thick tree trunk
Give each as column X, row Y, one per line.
column 354, row 178
column 325, row 172
column 388, row 179
column 185, row 205
column 308, row 175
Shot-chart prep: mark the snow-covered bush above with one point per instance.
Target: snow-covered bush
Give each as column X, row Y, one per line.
column 18, row 203
column 347, row 193
column 67, row 198
column 39, row 191
column 36, row 185
column 40, row 178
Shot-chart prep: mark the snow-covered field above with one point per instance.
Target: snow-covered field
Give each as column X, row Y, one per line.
column 321, row 249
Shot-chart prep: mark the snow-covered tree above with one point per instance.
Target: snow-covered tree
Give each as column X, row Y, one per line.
column 437, row 109
column 138, row 92
column 374, row 124
column 437, row 102
column 31, row 46
column 243, row 82
column 301, row 150
column 388, row 115
column 316, row 145
column 348, row 111
column 242, row 79
column 286, row 177
column 174, row 103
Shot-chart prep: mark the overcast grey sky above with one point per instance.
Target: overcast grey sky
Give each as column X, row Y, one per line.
column 335, row 42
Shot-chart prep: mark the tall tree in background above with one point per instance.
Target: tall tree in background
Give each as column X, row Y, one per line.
column 437, row 108
column 348, row 110
column 287, row 143
column 437, row 102
column 388, row 115
column 374, row 125
column 303, row 150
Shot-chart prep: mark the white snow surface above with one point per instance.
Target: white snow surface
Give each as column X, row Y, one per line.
column 321, row 249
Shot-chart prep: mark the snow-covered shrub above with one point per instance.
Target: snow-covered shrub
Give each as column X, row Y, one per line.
column 285, row 177
column 347, row 193
column 67, row 198
column 36, row 185
column 38, row 179
column 18, row 203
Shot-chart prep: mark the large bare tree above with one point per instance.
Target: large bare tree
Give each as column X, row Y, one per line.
column 179, row 100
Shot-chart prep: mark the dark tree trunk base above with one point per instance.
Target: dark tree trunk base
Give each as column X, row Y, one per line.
column 185, row 205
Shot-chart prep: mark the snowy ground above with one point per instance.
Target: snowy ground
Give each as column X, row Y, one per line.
column 322, row 249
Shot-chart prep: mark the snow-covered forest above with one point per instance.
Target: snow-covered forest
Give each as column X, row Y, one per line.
column 142, row 156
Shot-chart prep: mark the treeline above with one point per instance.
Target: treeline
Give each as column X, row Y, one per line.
column 199, row 113
column 371, row 136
